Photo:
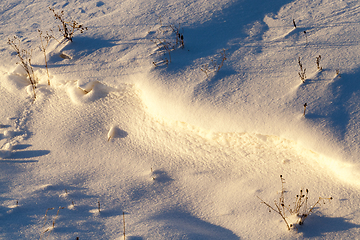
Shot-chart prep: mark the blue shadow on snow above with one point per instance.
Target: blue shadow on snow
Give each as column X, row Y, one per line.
column 193, row 228
column 81, row 46
column 28, row 154
column 318, row 226
column 226, row 30
column 345, row 91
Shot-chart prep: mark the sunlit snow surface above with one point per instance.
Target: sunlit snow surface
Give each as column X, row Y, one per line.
column 178, row 151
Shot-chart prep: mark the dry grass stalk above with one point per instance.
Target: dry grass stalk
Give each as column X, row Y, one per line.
column 299, row 210
column 25, row 61
column 45, row 218
column 302, row 73
column 67, row 28
column 49, row 229
column 165, row 41
column 53, row 223
column 57, row 214
column 214, row 66
column 318, row 62
column 162, row 45
column 45, row 40
column 205, row 69
column 179, row 36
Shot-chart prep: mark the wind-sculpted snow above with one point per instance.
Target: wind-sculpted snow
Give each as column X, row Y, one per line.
column 178, row 153
column 91, row 92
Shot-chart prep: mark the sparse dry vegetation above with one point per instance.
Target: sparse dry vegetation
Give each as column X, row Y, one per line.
column 44, row 41
column 337, row 73
column 67, row 28
column 45, row 218
column 296, row 214
column 318, row 63
column 305, row 105
column 168, row 38
column 214, row 66
column 302, row 73
column 25, row 61
column 49, row 229
column 163, row 45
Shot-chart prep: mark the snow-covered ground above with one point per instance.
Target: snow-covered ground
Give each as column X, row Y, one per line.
column 177, row 149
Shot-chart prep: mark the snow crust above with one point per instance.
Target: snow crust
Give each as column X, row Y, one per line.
column 179, row 153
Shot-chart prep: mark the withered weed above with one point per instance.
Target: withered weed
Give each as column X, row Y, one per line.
column 24, row 56
column 67, row 28
column 296, row 214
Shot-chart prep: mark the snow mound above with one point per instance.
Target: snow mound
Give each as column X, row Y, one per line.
column 5, row 151
column 116, row 132
column 90, row 93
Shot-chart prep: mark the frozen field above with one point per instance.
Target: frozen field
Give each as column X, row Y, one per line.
column 183, row 140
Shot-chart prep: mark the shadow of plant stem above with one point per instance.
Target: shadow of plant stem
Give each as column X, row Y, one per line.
column 165, row 40
column 163, row 44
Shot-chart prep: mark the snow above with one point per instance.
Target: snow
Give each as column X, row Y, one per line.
column 183, row 155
